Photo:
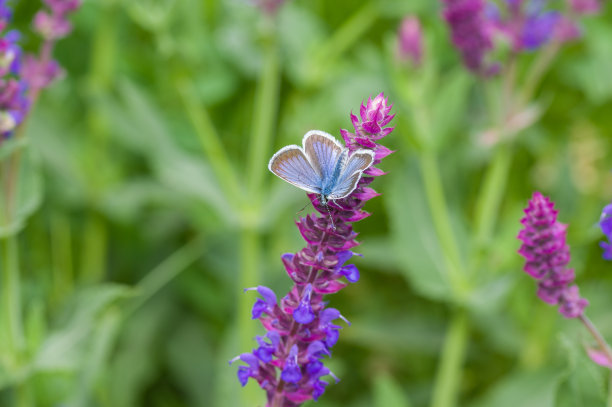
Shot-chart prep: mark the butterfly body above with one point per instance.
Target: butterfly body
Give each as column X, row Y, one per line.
column 322, row 166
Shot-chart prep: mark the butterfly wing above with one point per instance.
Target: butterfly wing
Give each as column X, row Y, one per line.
column 323, row 151
column 356, row 164
column 290, row 164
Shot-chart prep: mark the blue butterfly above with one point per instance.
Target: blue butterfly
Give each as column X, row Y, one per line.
column 323, row 166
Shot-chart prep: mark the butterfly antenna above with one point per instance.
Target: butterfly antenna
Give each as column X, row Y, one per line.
column 330, row 217
column 305, row 206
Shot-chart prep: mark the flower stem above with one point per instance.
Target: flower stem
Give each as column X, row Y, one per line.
column 453, row 353
column 165, row 272
column 266, row 104
column 210, row 141
column 441, row 219
column 494, row 184
column 603, row 345
column 610, row 391
column 489, row 199
column 11, row 298
column 539, row 68
column 342, row 39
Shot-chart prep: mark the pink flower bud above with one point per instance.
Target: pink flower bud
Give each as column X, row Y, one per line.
column 410, row 41
column 583, row 7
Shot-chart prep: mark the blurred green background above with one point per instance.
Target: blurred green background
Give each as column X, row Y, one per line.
column 154, row 207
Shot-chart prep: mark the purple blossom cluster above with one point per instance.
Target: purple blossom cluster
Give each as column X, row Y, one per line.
column 471, row 33
column 527, row 25
column 52, row 24
column 605, row 223
column 22, row 76
column 547, row 255
column 13, row 103
column 301, row 329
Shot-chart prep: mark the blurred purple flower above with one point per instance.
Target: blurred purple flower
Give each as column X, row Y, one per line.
column 39, row 74
column 5, row 14
column 547, row 255
column 13, row 102
column 525, row 24
column 605, row 223
column 269, row 7
column 10, row 53
column 23, row 76
column 471, row 33
column 300, row 328
column 39, row 71
column 410, row 41
column 55, row 25
column 537, row 30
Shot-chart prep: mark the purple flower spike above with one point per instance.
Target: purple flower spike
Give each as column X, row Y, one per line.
column 23, row 76
column 547, row 255
column 471, row 33
column 288, row 361
column 605, row 223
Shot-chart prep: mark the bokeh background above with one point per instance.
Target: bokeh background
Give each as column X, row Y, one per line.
column 152, row 207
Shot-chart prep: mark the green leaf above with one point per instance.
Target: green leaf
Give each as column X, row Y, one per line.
column 585, row 381
column 523, row 388
column 388, row 392
column 416, row 246
column 591, row 73
column 64, row 348
column 449, row 104
column 137, row 359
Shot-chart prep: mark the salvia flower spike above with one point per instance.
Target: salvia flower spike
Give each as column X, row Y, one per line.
column 300, row 328
column 547, row 254
column 13, row 102
column 22, row 76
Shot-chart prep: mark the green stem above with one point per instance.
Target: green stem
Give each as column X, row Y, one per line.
column 102, row 61
column 610, row 391
column 349, row 32
column 440, row 216
column 165, row 272
column 210, row 141
column 61, row 257
column 93, row 258
column 11, row 298
column 539, row 68
column 490, row 197
column 266, row 104
column 601, row 342
column 448, row 375
column 495, row 180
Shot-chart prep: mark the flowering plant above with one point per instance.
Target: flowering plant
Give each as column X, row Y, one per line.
column 301, row 330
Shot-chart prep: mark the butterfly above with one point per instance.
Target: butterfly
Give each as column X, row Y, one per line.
column 322, row 166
